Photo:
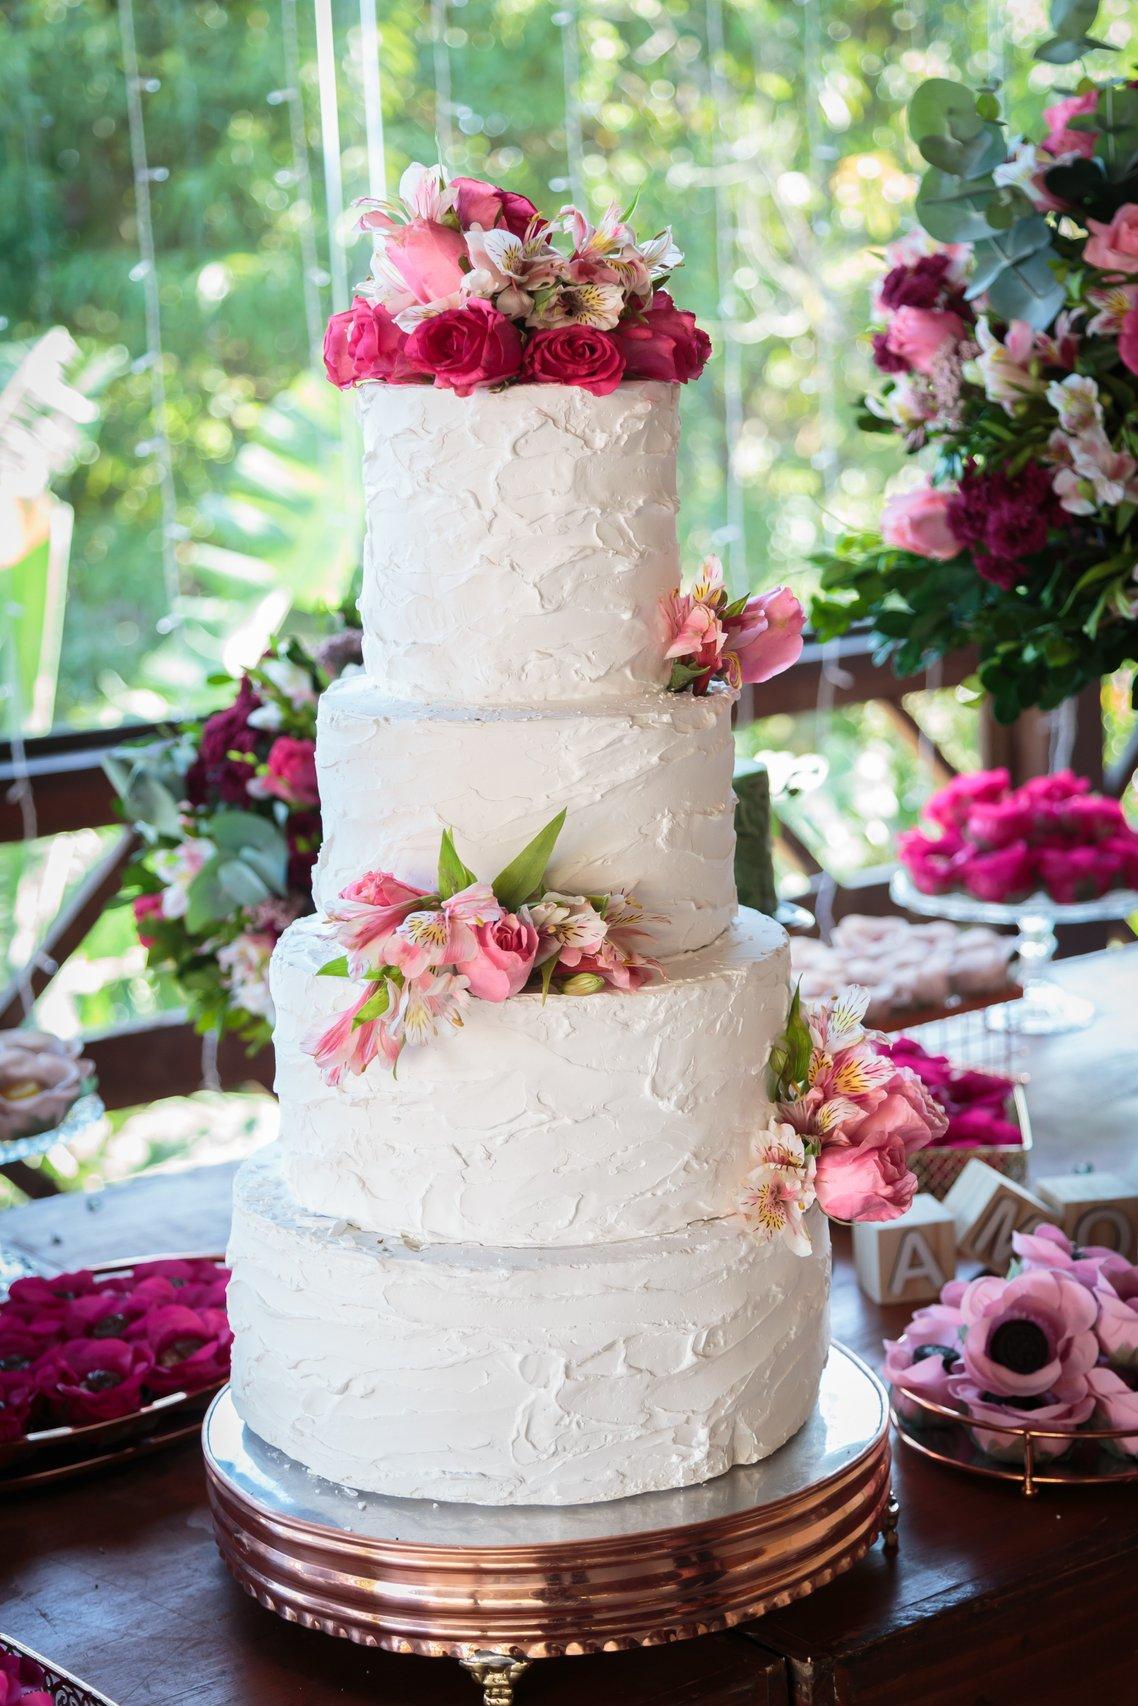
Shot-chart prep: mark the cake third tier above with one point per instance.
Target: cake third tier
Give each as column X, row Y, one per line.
column 645, row 783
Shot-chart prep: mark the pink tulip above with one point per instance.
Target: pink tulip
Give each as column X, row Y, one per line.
column 918, row 522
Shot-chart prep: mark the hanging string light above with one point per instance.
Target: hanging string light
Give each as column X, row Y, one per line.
column 444, row 103
column 146, row 273
column 312, row 277
column 373, row 104
column 568, row 21
column 727, row 302
column 330, row 149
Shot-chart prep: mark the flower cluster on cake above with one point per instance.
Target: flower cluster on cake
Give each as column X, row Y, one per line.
column 997, row 843
column 470, row 290
column 77, row 1348
column 1006, row 335
column 1053, row 1345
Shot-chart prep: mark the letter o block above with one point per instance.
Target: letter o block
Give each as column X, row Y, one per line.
column 1095, row 1208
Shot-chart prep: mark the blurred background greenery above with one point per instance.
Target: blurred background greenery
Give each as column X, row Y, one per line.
column 185, row 227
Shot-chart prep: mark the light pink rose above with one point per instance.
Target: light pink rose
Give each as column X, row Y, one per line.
column 367, row 911
column 918, row 335
column 479, row 203
column 1114, row 248
column 466, row 349
column 1060, row 138
column 766, row 636
column 505, row 950
column 918, row 522
column 865, row 1181
column 428, row 258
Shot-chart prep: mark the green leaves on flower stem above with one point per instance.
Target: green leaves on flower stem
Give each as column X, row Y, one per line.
column 954, row 210
column 523, row 876
column 790, row 1056
column 335, row 968
column 1071, row 21
column 453, row 874
column 378, row 1002
column 683, row 674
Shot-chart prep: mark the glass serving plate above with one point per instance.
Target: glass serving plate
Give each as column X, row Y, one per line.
column 80, row 1117
column 1046, row 1009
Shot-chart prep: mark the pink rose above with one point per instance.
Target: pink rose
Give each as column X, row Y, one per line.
column 1113, row 248
column 1005, row 875
column 365, row 343
column 918, row 522
column 952, row 804
column 664, row 343
column 574, row 355
column 917, row 336
column 1055, row 788
column 291, row 774
column 766, row 636
column 869, row 1181
column 479, row 203
column 933, row 862
column 503, row 958
column 145, row 906
column 428, row 258
column 1060, row 138
column 466, row 349
column 22, row 1682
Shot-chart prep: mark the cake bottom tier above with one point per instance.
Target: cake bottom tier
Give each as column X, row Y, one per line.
column 541, row 1376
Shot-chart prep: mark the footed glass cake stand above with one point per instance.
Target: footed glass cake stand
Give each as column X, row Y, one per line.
column 80, row 1117
column 498, row 1587
column 1046, row 1009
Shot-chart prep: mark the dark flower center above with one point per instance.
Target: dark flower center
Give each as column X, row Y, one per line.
column 178, row 1350
column 1038, row 1403
column 102, row 1380
column 1020, row 1346
column 944, row 1352
column 17, row 1359
column 109, row 1327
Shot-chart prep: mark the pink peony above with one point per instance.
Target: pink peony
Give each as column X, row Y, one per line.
column 1117, row 1325
column 95, row 1380
column 467, row 349
column 1116, row 1406
column 865, row 1180
column 1030, row 1335
column 916, row 336
column 189, row 1348
column 1006, row 875
column 1060, row 138
column 663, row 343
column 487, row 205
column 952, row 805
column 918, row 521
column 505, row 950
column 145, row 906
column 923, row 1359
column 574, row 355
column 766, row 637
column 291, row 774
column 1113, row 248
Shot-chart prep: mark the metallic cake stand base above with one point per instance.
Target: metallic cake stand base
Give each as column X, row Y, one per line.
column 496, row 1587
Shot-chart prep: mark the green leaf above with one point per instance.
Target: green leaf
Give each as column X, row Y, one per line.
column 374, row 1007
column 234, row 832
column 523, row 875
column 992, row 254
column 453, row 874
column 976, row 157
column 952, row 210
column 547, row 972
column 1027, row 290
column 941, row 107
column 148, row 780
column 335, row 968
column 1073, row 17
column 683, row 674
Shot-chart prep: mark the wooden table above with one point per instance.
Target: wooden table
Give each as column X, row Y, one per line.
column 994, row 1600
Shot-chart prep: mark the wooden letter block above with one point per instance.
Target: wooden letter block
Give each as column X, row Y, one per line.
column 906, row 1260
column 987, row 1209
column 1095, row 1208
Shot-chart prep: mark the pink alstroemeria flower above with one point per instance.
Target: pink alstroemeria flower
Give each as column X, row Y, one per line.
column 1028, row 1336
column 425, row 1003
column 367, row 911
column 346, row 1046
column 425, row 940
column 694, row 630
column 766, row 636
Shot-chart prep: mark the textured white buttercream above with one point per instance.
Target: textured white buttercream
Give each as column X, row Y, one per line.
column 574, row 1121
column 646, row 786
column 518, row 542
column 522, row 1376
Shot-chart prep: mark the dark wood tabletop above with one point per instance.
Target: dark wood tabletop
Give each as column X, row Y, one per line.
column 993, row 1600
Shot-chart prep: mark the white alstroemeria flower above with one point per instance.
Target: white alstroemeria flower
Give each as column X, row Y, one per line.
column 1019, row 170
column 660, row 253
column 1114, row 302
column 1091, row 475
column 425, row 193
column 597, row 242
column 778, row 1192
column 244, row 965
column 268, row 716
column 910, row 404
column 1075, row 400
column 177, row 867
column 291, row 680
column 568, row 925
column 585, row 304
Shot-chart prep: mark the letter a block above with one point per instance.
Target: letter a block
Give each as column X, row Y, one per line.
column 987, row 1209
column 906, row 1260
column 1095, row 1208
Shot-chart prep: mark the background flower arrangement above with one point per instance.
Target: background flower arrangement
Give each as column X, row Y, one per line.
column 1053, row 1345
column 1008, row 338
column 1001, row 844
column 76, row 1349
column 229, row 816
column 468, row 291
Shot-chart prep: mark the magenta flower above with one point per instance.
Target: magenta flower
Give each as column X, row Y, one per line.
column 22, row 1681
column 1047, row 1249
column 1047, row 1410
column 1117, row 1325
column 1116, row 1406
column 189, row 1348
column 367, row 911
column 18, row 1399
column 923, row 1359
column 952, row 805
column 488, row 205
column 39, row 1297
column 106, row 1313
column 1072, row 874
column 1000, row 823
column 1028, row 1336
column 1060, row 138
column 933, row 861
column 95, row 1380
column 1006, row 875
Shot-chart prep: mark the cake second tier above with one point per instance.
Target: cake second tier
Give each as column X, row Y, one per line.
column 645, row 782
column 573, row 1121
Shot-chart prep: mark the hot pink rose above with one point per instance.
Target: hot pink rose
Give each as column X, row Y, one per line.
column 291, row 774
column 1000, row 824
column 145, row 906
column 918, row 522
column 503, row 960
column 22, row 1682
column 574, row 355
column 1005, row 875
column 365, row 343
column 479, row 203
column 1114, row 248
column 664, row 343
column 1060, row 138
column 766, row 636
column 917, row 336
column 933, row 862
column 865, row 1181
column 467, row 349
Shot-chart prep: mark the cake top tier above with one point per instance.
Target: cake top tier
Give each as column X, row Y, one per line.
column 520, row 543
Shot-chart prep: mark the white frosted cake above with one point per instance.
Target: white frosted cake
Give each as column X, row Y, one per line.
column 511, row 1272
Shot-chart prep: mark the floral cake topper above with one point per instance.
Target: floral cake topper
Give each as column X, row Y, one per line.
column 423, row 956
column 712, row 637
column 469, row 291
column 847, row 1119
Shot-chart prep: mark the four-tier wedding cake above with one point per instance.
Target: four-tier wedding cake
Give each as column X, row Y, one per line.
column 510, row 1270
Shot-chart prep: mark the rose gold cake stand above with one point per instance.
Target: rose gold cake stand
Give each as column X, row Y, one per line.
column 496, row 1587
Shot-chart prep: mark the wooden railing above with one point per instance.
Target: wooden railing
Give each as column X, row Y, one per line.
column 61, row 778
